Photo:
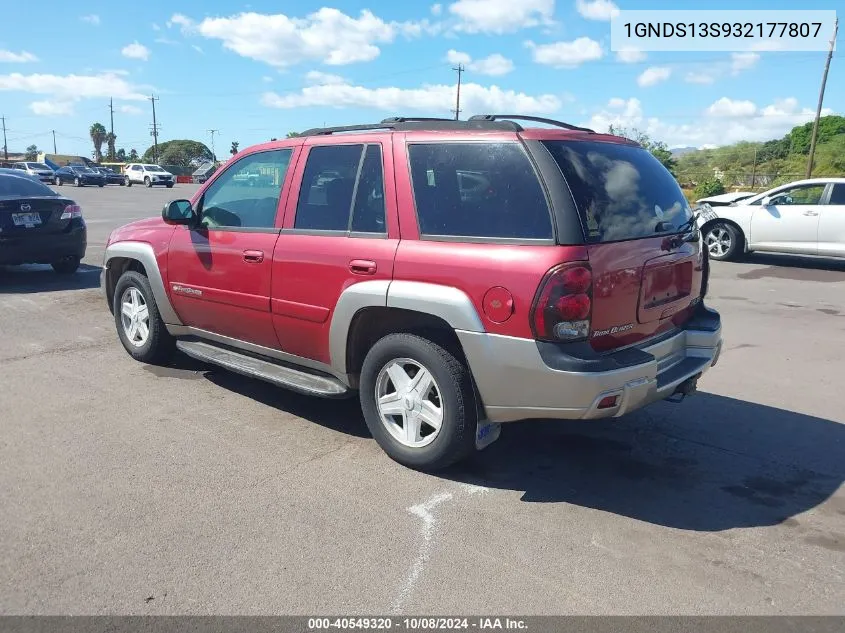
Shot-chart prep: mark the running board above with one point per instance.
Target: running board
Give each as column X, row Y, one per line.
column 281, row 375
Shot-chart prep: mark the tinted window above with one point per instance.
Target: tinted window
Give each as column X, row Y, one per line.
column 621, row 191
column 325, row 196
column 368, row 213
column 232, row 201
column 478, row 190
column 22, row 186
column 837, row 196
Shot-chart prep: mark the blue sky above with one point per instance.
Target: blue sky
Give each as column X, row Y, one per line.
column 259, row 69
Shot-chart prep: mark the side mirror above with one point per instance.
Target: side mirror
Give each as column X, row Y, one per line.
column 765, row 202
column 178, row 212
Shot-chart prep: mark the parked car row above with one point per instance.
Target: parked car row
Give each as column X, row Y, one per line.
column 82, row 175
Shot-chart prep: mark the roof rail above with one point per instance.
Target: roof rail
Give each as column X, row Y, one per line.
column 536, row 119
column 418, row 123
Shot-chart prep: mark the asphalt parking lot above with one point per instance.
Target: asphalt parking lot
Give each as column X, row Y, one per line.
column 126, row 488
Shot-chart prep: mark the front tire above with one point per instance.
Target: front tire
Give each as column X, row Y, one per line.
column 57, row 181
column 128, row 182
column 139, row 325
column 66, row 266
column 148, row 182
column 418, row 402
column 101, row 185
column 170, row 185
column 723, row 241
column 77, row 182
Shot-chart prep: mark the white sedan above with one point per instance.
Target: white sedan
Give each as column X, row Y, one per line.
column 806, row 217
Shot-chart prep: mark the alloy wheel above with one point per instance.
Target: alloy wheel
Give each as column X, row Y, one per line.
column 409, row 402
column 718, row 241
column 135, row 316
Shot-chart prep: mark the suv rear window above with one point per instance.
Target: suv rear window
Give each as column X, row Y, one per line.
column 481, row 190
column 622, row 192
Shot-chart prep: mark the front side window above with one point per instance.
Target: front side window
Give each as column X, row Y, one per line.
column 478, row 190
column 335, row 177
column 837, row 196
column 228, row 203
column 621, row 191
column 807, row 194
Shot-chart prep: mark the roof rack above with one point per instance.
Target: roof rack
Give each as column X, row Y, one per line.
column 418, row 123
column 535, row 119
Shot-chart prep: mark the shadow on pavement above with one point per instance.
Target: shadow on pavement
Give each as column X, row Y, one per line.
column 712, row 463
column 793, row 267
column 42, row 278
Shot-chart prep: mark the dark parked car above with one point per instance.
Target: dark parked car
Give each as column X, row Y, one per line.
column 79, row 175
column 18, row 172
column 111, row 176
column 38, row 226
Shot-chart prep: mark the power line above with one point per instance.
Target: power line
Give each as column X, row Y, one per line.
column 821, row 99
column 457, row 110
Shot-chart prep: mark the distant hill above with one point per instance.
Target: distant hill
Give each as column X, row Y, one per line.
column 677, row 152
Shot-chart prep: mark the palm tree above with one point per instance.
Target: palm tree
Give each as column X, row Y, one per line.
column 110, row 141
column 234, row 149
column 98, row 137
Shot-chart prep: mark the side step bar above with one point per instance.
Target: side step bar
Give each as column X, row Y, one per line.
column 281, row 375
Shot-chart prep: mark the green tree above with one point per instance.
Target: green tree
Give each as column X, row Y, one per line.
column 133, row 155
column 707, row 188
column 111, row 138
column 121, row 155
column 98, row 137
column 234, row 149
column 31, row 153
column 658, row 149
column 829, row 126
column 292, row 135
column 180, row 152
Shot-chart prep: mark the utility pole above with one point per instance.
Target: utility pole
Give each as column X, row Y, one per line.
column 55, row 151
column 154, row 131
column 754, row 168
column 5, row 149
column 213, row 153
column 821, row 99
column 460, row 69
column 111, row 128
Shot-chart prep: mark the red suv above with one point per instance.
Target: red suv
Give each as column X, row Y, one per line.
column 455, row 274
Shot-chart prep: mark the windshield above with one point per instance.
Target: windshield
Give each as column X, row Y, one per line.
column 154, row 168
column 621, row 191
column 37, row 166
column 15, row 186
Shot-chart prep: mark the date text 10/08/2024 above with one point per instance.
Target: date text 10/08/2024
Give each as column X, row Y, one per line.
column 418, row 624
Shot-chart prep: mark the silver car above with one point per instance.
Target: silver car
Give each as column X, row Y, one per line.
column 39, row 170
column 806, row 217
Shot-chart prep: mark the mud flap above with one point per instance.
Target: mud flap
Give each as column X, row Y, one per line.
column 486, row 433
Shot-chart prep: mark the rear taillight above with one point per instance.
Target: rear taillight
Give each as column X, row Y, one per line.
column 564, row 304
column 72, row 211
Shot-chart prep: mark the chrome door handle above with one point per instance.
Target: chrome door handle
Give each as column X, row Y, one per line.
column 810, row 213
column 253, row 257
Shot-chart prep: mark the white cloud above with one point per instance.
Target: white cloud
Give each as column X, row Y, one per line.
column 436, row 9
column 501, row 16
column 156, row 27
column 493, row 65
column 135, row 51
column 51, row 108
column 700, row 78
column 566, row 54
column 603, row 10
column 630, row 55
column 318, row 78
column 726, row 121
column 72, row 87
column 183, row 21
column 198, row 49
column 166, row 40
column 17, row 58
column 130, row 109
column 654, row 75
column 743, row 61
column 428, row 98
column 91, row 19
column 726, row 107
column 267, row 79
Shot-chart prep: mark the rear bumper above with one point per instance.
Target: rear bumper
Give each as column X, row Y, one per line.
column 43, row 249
column 520, row 379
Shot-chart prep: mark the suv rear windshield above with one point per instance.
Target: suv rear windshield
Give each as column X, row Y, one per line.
column 622, row 192
column 478, row 190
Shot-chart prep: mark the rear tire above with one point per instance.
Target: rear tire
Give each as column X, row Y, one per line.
column 723, row 241
column 139, row 325
column 57, row 181
column 77, row 182
column 170, row 186
column 388, row 384
column 101, row 185
column 66, row 266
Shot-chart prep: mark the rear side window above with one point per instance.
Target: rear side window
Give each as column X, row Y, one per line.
column 14, row 186
column 837, row 196
column 478, row 190
column 621, row 191
column 335, row 177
